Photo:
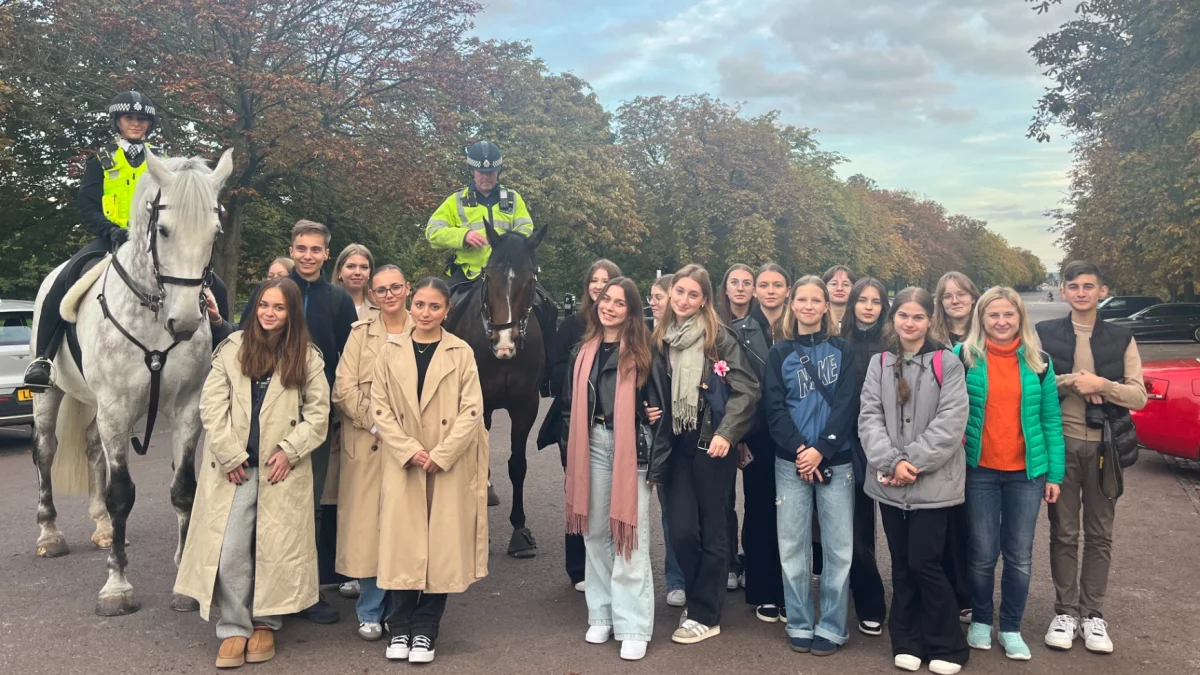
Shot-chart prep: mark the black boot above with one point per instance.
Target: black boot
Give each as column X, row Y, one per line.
column 322, row 612
column 38, row 375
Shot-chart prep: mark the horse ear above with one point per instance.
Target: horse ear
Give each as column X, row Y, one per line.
column 223, row 169
column 158, row 170
column 538, row 236
column 492, row 237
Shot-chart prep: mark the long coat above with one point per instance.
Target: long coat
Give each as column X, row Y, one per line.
column 333, row 475
column 433, row 527
column 361, row 467
column 285, row 561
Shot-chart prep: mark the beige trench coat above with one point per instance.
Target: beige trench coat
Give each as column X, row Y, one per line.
column 285, row 564
column 361, row 469
column 433, row 527
column 333, row 480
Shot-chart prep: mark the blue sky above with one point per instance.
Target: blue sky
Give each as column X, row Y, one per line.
column 932, row 96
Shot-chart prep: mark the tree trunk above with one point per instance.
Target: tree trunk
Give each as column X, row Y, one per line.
column 229, row 247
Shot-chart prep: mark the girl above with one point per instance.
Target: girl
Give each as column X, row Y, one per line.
column 659, row 291
column 839, row 279
column 763, row 573
column 676, row 595
column 914, row 412
column 733, row 303
column 614, row 455
column 251, row 549
column 361, row 467
column 703, row 357
column 280, row 267
column 565, row 340
column 352, row 272
column 433, row 534
column 1015, row 459
column 809, row 394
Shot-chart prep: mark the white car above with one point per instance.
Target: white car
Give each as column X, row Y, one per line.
column 16, row 328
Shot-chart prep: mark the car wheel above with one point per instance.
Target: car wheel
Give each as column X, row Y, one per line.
column 1196, row 333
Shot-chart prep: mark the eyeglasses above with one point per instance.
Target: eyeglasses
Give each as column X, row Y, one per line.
column 743, row 283
column 140, row 119
column 394, row 289
column 961, row 295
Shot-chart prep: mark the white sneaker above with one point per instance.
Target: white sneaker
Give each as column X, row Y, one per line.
column 350, row 589
column 939, row 667
column 907, row 662
column 691, row 632
column 580, row 587
column 370, row 630
column 1095, row 636
column 422, row 649
column 731, row 583
column 633, row 650
column 598, row 635
column 676, row 598
column 1061, row 634
column 397, row 649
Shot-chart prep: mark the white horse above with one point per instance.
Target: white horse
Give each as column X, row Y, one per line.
column 140, row 320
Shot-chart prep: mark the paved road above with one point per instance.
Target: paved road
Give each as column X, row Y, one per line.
column 525, row 618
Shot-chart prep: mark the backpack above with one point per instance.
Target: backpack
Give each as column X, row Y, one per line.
column 938, row 372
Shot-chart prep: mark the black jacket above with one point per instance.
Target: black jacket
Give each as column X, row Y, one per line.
column 559, row 356
column 754, row 335
column 329, row 312
column 744, row 393
column 865, row 344
column 654, row 452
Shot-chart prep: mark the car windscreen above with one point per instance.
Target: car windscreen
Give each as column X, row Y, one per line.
column 16, row 328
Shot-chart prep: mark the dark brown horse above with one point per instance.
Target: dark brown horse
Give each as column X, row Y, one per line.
column 496, row 319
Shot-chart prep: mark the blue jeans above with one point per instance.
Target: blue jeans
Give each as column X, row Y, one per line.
column 374, row 603
column 675, row 580
column 794, row 500
column 1002, row 514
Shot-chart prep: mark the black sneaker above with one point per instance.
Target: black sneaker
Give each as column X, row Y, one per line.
column 37, row 375
column 397, row 649
column 768, row 613
column 869, row 627
column 422, row 649
column 322, row 612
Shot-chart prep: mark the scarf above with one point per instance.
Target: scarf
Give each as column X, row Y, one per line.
column 686, row 345
column 623, row 511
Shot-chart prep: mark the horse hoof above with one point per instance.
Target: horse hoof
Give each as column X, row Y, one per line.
column 103, row 541
column 118, row 604
column 53, row 548
column 493, row 498
column 182, row 603
column 522, row 545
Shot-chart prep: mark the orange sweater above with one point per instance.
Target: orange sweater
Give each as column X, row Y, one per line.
column 1003, row 447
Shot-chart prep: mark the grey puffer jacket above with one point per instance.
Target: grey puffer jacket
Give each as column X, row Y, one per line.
column 927, row 431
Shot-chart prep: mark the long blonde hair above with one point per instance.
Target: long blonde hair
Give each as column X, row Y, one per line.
column 707, row 313
column 975, row 344
column 353, row 249
column 940, row 328
column 787, row 322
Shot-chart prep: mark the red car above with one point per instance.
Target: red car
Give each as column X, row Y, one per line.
column 1170, row 422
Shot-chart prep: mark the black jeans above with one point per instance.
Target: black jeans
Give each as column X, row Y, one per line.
column 866, row 586
column 924, row 611
column 697, row 499
column 954, row 558
column 326, row 519
column 760, row 539
column 417, row 613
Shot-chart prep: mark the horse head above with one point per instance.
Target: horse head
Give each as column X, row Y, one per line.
column 508, row 287
column 176, row 220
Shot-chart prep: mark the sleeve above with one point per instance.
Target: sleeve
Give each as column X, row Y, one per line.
column 657, row 395
column 465, row 430
column 1131, row 393
column 877, row 445
column 744, row 395
column 779, row 418
column 522, row 222
column 566, row 396
column 216, row 413
column 944, row 435
column 387, row 427
column 444, row 230
column 313, row 427
column 348, row 395
column 221, row 331
column 843, row 411
column 90, row 202
column 1052, row 431
column 560, row 353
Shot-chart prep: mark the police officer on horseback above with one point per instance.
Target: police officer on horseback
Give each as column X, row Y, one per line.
column 105, row 199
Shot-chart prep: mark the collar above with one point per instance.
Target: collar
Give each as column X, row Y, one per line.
column 1011, row 350
column 304, row 284
column 810, row 340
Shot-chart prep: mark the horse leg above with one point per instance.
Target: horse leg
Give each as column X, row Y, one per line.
column 116, row 597
column 522, row 545
column 51, row 543
column 183, row 489
column 102, row 537
column 493, row 498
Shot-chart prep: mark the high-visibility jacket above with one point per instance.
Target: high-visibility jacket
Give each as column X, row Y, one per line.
column 462, row 212
column 120, row 182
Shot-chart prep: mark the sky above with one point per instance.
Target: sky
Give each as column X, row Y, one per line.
column 932, row 96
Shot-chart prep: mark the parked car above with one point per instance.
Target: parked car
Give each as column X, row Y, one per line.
column 1170, row 422
column 1121, row 306
column 16, row 327
column 1176, row 321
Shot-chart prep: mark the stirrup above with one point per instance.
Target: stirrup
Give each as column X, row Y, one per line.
column 39, row 387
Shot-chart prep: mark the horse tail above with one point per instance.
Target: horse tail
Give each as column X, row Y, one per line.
column 69, row 473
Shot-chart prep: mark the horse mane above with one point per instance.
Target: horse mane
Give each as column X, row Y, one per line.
column 190, row 194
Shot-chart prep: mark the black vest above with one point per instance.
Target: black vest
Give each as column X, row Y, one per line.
column 1108, row 343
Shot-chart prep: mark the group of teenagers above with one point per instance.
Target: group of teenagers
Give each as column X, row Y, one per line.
column 347, row 400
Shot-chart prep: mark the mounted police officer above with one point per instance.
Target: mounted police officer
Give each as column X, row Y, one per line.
column 105, row 199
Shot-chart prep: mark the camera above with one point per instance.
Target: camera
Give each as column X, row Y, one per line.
column 1093, row 416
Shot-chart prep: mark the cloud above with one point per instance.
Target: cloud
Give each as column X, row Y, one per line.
column 953, row 115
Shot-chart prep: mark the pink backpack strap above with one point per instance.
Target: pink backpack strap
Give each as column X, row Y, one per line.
column 937, row 366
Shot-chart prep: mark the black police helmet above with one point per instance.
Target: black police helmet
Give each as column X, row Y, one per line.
column 484, row 156
column 132, row 103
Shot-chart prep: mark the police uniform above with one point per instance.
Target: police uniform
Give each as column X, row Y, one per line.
column 468, row 209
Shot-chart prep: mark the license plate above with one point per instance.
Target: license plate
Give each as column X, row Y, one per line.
column 24, row 395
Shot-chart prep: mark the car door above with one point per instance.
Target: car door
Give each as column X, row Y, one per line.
column 1148, row 323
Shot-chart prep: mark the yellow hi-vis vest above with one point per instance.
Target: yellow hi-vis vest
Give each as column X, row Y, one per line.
column 120, row 182
column 460, row 213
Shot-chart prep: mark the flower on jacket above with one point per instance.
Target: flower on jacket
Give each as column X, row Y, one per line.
column 721, row 368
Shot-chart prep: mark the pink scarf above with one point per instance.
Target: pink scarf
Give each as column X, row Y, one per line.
column 622, row 518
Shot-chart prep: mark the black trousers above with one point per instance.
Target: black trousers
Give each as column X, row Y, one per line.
column 866, row 586
column 954, row 558
column 576, row 555
column 924, row 611
column 760, row 538
column 417, row 613
column 697, row 499
column 731, row 524
column 326, row 519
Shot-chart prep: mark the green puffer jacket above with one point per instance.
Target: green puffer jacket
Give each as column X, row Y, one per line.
column 1041, row 417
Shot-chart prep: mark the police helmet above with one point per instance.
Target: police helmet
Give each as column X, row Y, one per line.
column 132, row 103
column 484, row 156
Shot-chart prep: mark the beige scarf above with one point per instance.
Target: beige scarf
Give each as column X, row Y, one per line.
column 686, row 344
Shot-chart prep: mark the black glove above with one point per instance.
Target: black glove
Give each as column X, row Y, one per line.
column 118, row 235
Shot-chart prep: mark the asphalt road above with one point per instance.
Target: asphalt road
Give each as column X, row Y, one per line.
column 525, row 617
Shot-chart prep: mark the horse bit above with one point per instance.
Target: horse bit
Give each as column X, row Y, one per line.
column 485, row 312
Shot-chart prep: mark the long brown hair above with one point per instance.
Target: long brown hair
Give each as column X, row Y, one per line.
column 283, row 352
column 635, row 356
column 892, row 338
column 787, row 322
column 776, row 329
column 585, row 302
column 940, row 328
column 724, row 310
column 707, row 313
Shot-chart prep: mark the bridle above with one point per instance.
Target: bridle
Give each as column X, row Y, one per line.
column 520, row 322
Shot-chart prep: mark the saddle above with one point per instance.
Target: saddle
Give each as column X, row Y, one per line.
column 80, row 280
